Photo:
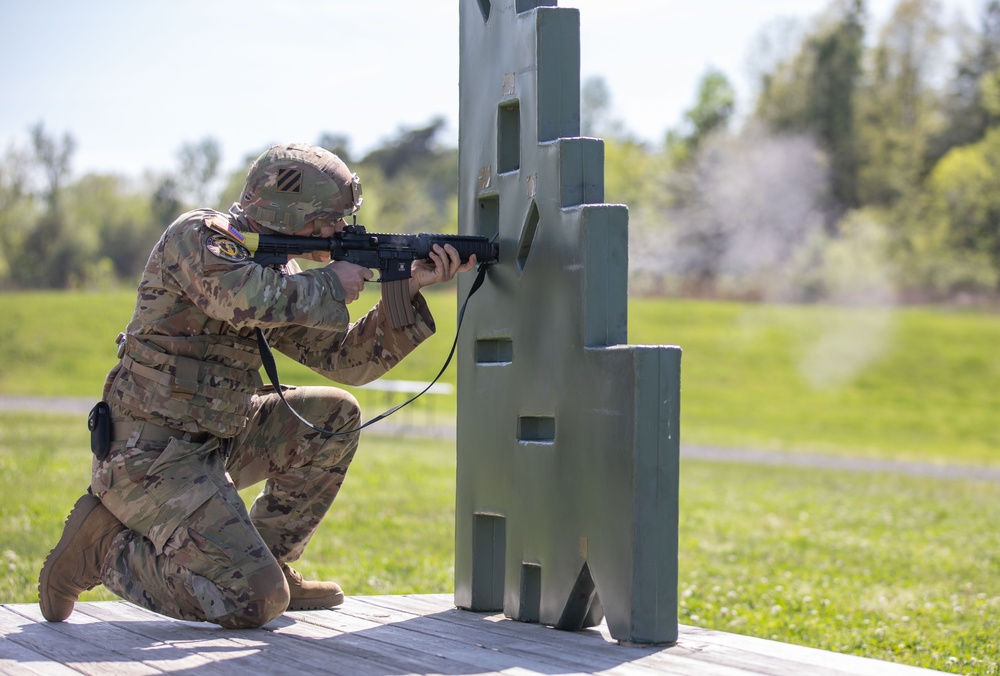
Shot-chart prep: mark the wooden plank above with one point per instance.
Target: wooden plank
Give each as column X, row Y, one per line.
column 390, row 640
column 81, row 643
column 349, row 659
column 162, row 644
column 16, row 657
column 274, row 648
column 386, row 635
column 593, row 649
column 528, row 644
column 832, row 662
column 586, row 649
column 469, row 648
column 719, row 649
column 174, row 645
column 340, row 634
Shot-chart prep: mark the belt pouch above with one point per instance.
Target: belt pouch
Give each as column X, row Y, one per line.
column 99, row 423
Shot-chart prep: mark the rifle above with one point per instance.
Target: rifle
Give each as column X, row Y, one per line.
column 391, row 254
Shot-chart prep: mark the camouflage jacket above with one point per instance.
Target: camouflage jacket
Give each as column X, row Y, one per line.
column 189, row 357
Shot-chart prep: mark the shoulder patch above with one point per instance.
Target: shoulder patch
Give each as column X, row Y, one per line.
column 226, row 249
column 222, row 225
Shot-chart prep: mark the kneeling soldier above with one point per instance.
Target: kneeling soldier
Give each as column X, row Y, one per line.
column 187, row 422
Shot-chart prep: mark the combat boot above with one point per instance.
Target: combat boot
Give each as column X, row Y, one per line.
column 74, row 566
column 307, row 595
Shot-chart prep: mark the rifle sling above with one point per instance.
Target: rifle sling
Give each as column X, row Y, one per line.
column 267, row 360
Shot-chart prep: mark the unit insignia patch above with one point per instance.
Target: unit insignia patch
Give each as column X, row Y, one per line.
column 227, row 249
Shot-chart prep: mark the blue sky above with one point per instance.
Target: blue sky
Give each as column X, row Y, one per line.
column 132, row 81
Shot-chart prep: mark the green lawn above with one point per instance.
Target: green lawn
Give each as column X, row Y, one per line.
column 920, row 384
column 392, row 531
column 892, row 567
column 897, row 568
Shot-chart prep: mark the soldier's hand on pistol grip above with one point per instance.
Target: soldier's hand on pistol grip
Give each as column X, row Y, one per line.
column 352, row 277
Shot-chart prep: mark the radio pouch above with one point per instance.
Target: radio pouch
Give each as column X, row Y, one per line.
column 99, row 423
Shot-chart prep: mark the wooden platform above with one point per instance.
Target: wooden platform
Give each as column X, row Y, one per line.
column 384, row 635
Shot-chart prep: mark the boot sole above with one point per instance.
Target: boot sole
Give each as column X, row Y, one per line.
column 81, row 510
column 330, row 601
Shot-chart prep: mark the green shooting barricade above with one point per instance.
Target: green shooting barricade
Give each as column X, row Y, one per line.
column 568, row 438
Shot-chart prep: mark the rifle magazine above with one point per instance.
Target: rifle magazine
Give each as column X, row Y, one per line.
column 396, row 296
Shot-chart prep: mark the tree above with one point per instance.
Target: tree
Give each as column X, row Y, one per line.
column 53, row 254
column 53, row 156
column 410, row 148
column 775, row 43
column 117, row 224
column 838, row 55
column 18, row 210
column 411, row 183
column 898, row 107
column 967, row 109
column 963, row 196
column 713, row 108
column 165, row 202
column 714, row 105
column 338, row 144
column 199, row 167
column 816, row 90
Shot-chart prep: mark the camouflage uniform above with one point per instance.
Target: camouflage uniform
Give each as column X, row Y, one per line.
column 192, row 424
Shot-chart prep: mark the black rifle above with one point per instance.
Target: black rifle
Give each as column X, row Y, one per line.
column 391, row 254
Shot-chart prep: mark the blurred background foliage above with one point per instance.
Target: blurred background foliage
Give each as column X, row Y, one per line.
column 866, row 169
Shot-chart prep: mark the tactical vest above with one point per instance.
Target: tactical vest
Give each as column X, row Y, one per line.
column 192, row 383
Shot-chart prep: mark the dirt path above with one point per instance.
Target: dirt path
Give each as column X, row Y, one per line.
column 782, row 458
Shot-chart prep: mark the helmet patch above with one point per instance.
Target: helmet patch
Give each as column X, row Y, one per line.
column 227, row 249
column 291, row 184
column 289, row 180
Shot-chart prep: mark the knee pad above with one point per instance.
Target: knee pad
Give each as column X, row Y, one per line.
column 267, row 598
column 332, row 405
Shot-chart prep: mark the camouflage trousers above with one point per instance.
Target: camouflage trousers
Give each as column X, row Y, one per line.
column 191, row 550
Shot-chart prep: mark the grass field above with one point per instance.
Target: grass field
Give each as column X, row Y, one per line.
column 909, row 383
column 914, row 383
column 898, row 568
column 882, row 566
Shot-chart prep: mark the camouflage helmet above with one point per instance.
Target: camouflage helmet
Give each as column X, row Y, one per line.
column 292, row 184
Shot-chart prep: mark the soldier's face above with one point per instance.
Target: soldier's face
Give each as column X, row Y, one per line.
column 321, row 227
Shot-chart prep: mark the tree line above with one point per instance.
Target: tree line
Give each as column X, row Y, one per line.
column 867, row 168
column 97, row 231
